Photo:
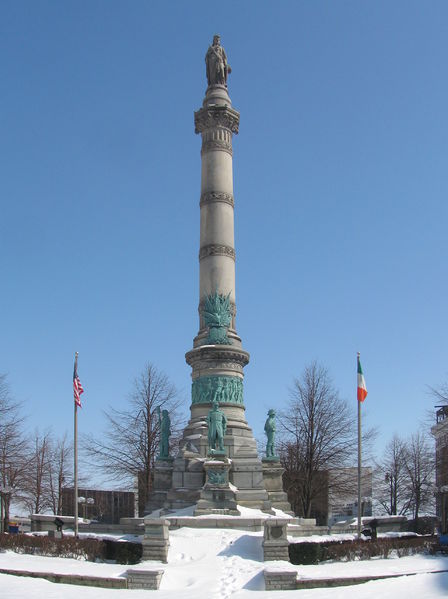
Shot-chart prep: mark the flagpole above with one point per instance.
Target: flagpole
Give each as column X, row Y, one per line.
column 75, row 451
column 359, row 462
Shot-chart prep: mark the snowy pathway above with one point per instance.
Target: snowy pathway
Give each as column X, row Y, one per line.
column 225, row 564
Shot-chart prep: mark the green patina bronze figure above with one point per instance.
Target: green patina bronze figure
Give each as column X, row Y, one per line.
column 217, row 317
column 217, row 425
column 269, row 429
column 165, row 432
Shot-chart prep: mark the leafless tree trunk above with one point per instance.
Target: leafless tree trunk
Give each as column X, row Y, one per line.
column 129, row 446
column 13, row 446
column 60, row 472
column 391, row 479
column 320, row 434
column 35, row 492
column 420, row 470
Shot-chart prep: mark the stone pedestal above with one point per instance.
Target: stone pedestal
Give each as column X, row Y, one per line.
column 148, row 580
column 280, row 580
column 156, row 540
column 217, row 495
column 273, row 482
column 275, row 540
column 163, row 482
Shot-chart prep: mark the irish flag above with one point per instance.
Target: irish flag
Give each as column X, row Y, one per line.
column 362, row 389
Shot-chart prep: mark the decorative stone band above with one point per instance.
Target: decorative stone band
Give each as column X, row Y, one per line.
column 224, row 389
column 216, row 250
column 216, row 196
column 216, row 145
column 218, row 116
column 212, row 367
column 202, row 357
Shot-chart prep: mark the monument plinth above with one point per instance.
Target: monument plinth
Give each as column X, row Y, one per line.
column 217, row 358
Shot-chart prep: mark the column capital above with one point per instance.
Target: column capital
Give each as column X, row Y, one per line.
column 216, row 116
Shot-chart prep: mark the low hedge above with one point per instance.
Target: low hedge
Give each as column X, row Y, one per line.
column 88, row 549
column 313, row 553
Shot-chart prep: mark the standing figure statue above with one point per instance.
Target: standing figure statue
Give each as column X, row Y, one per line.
column 217, row 426
column 216, row 65
column 269, row 429
column 165, row 432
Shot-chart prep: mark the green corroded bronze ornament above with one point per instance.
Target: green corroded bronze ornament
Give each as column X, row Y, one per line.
column 217, row 477
column 217, row 316
column 224, row 389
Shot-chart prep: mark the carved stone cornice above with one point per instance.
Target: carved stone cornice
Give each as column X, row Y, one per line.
column 216, row 250
column 211, row 353
column 216, row 196
column 215, row 145
column 216, row 116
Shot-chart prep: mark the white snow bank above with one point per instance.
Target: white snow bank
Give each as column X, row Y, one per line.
column 224, row 564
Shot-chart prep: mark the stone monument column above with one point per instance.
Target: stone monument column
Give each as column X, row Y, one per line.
column 217, row 358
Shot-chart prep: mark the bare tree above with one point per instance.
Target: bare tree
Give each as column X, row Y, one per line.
column 13, row 446
column 440, row 393
column 319, row 434
column 35, row 487
column 420, row 471
column 391, row 479
column 60, row 471
column 128, row 449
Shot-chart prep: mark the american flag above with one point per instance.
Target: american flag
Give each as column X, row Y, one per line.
column 77, row 387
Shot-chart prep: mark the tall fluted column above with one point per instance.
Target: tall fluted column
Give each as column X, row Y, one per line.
column 217, row 358
column 217, row 121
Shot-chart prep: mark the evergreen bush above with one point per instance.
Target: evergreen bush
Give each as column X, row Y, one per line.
column 89, row 549
column 313, row 553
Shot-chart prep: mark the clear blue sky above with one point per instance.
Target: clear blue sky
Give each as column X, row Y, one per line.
column 340, row 173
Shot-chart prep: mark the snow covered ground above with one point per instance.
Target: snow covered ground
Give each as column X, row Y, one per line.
column 215, row 563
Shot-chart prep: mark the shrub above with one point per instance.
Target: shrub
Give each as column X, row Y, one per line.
column 88, row 549
column 425, row 525
column 83, row 548
column 308, row 553
column 305, row 553
column 123, row 552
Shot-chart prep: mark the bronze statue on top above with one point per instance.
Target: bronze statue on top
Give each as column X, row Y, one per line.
column 217, row 68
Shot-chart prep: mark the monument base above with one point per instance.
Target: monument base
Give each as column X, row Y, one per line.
column 217, row 495
column 273, row 482
column 246, row 471
column 163, row 482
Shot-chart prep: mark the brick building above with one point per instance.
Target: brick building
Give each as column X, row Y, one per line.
column 440, row 433
column 103, row 506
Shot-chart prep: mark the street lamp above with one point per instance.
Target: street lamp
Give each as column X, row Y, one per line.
column 85, row 502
